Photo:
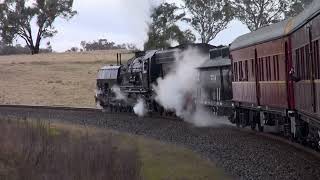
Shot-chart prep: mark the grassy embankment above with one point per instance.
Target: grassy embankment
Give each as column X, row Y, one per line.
column 62, row 151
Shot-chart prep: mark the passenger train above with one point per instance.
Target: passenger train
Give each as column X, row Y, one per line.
column 268, row 79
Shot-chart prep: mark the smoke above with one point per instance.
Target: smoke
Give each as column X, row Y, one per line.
column 117, row 91
column 176, row 91
column 180, row 82
column 98, row 92
column 140, row 109
column 98, row 106
column 204, row 117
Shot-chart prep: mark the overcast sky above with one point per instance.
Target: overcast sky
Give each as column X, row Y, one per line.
column 122, row 21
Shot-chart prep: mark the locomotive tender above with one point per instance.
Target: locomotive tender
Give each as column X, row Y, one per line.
column 215, row 82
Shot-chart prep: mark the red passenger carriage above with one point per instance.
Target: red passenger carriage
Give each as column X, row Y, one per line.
column 276, row 72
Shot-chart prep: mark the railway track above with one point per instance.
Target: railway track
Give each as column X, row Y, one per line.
column 242, row 153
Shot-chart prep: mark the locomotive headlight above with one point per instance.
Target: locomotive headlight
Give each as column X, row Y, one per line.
column 232, row 104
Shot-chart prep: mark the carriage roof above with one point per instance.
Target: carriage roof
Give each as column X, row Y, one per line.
column 277, row 30
column 216, row 63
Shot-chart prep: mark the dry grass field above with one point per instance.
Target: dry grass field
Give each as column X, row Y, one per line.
column 60, row 79
column 63, row 151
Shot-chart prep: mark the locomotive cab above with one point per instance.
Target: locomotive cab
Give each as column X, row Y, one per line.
column 108, row 76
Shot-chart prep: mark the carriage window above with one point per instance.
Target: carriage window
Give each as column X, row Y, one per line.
column 268, row 65
column 259, row 65
column 307, row 58
column 261, row 69
column 266, row 68
column 235, row 71
column 316, row 59
column 225, row 52
column 264, row 65
column 278, row 68
column 240, row 71
column 302, row 63
column 274, row 68
column 252, row 68
column 270, row 69
column 246, row 70
column 298, row 64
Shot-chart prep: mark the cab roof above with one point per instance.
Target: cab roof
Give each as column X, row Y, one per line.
column 110, row 67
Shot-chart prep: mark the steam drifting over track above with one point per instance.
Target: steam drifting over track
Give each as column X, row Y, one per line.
column 245, row 155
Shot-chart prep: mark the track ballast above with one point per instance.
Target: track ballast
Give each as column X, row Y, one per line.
column 243, row 154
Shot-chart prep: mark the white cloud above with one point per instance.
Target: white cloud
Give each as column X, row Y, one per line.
column 117, row 20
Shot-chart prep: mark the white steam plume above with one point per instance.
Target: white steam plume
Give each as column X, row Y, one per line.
column 175, row 92
column 98, row 105
column 117, row 91
column 203, row 118
column 140, row 109
column 181, row 81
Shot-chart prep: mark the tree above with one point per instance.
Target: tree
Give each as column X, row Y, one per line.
column 164, row 28
column 74, row 49
column 297, row 6
column 259, row 13
column 208, row 17
column 16, row 17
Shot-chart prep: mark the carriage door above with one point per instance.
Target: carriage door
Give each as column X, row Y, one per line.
column 312, row 71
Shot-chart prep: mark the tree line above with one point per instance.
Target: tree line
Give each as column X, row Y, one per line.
column 204, row 18
column 102, row 44
column 207, row 18
column 19, row 49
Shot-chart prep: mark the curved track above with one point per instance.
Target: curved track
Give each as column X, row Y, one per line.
column 243, row 154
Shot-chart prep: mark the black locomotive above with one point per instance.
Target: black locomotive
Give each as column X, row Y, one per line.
column 120, row 86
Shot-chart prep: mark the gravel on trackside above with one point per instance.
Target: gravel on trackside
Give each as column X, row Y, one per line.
column 242, row 154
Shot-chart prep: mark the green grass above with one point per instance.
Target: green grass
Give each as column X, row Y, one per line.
column 161, row 161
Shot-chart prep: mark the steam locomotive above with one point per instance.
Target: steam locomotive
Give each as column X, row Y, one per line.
column 268, row 80
column 120, row 86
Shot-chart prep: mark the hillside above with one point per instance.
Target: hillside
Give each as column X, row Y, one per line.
column 62, row 79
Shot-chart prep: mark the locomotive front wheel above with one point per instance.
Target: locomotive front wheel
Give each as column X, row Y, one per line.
column 260, row 127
